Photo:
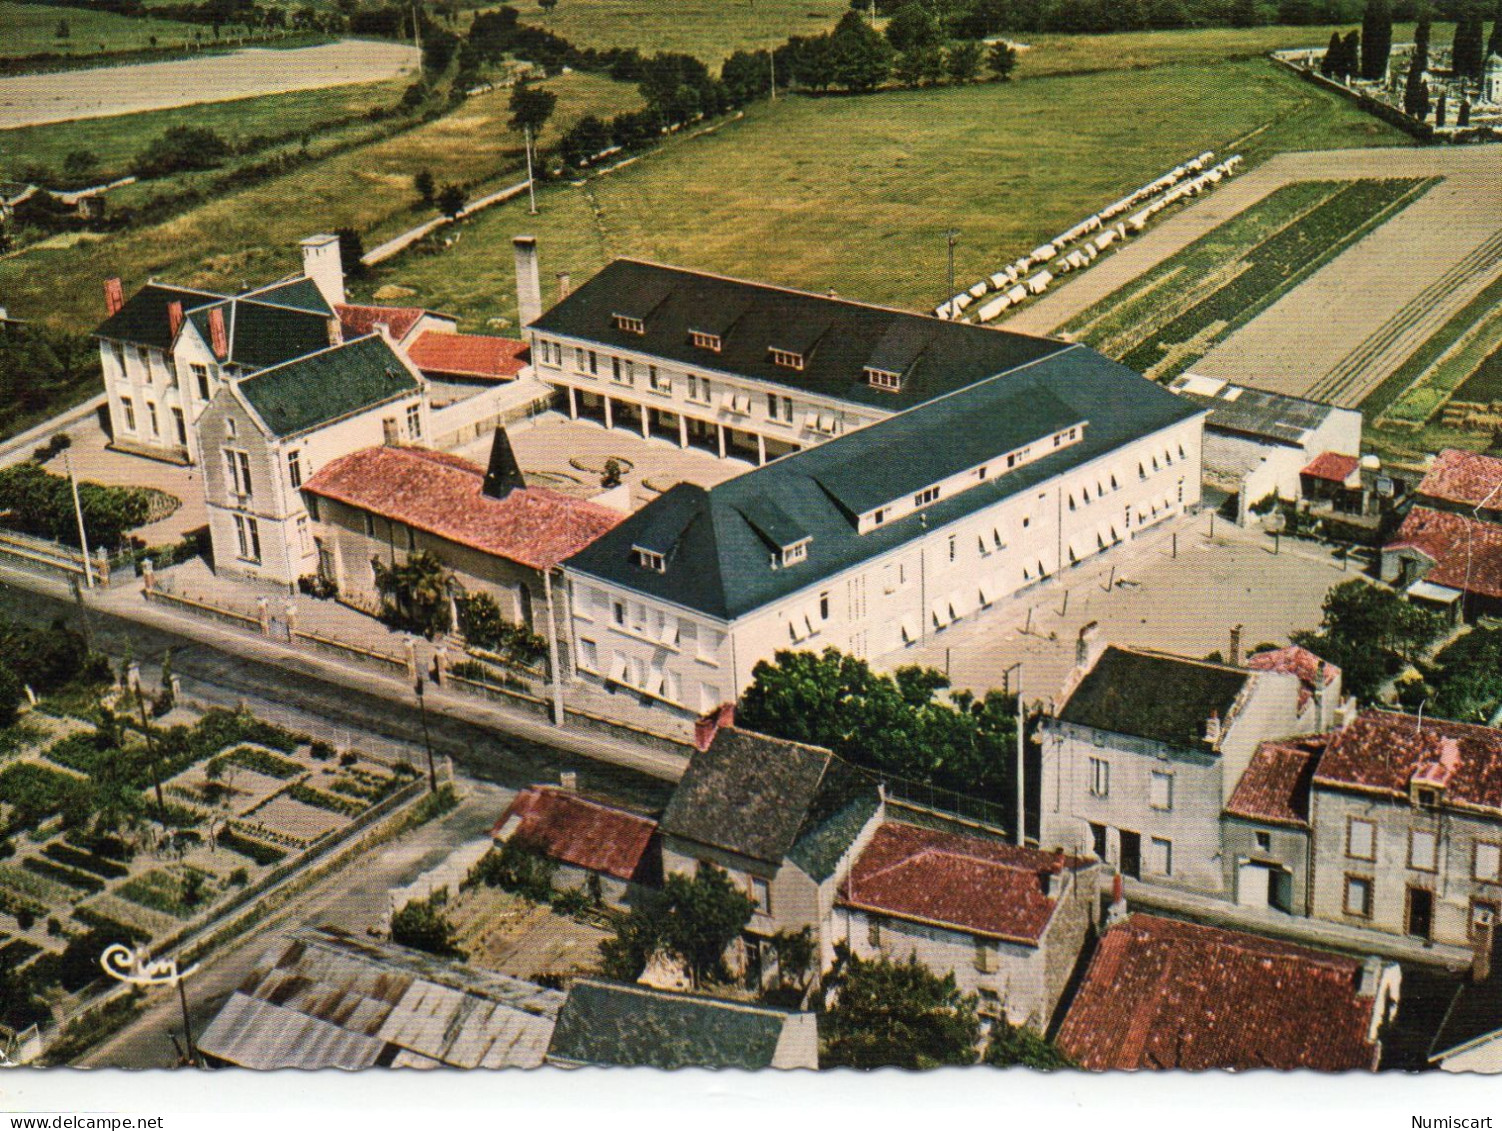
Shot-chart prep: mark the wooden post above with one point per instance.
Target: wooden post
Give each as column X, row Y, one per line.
column 263, row 615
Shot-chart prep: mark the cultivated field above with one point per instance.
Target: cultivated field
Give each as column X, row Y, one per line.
column 31, row 29
column 251, row 234
column 710, row 29
column 1006, row 164
column 29, row 100
column 1168, row 319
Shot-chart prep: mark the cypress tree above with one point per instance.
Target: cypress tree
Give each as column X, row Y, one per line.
column 1494, row 46
column 1328, row 64
column 1421, row 43
column 1416, row 93
column 1351, row 57
column 1376, row 40
column 1466, row 51
column 1439, row 110
column 1463, row 119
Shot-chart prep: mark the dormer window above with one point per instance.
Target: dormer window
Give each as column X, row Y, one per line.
column 650, row 559
column 705, row 341
column 787, row 359
column 795, row 553
column 883, row 379
column 1426, row 798
column 630, row 325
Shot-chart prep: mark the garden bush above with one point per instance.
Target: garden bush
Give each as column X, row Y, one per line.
column 257, row 761
column 37, row 502
column 36, row 793
column 516, row 867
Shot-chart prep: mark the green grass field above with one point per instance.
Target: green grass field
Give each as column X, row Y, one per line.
column 31, row 29
column 251, row 234
column 1458, row 362
column 304, row 112
column 855, row 193
column 710, row 29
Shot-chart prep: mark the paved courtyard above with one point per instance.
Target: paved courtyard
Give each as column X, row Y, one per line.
column 1184, row 604
column 570, row 455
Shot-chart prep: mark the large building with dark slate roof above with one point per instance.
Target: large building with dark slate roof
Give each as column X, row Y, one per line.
column 929, row 469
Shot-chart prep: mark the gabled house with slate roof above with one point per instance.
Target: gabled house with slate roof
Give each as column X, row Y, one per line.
column 784, row 820
column 606, row 1025
column 998, row 460
column 1008, row 922
column 1144, row 752
column 264, row 435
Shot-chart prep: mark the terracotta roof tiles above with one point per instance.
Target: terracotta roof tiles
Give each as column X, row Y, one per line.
column 1166, row 994
column 1382, row 752
column 1464, row 478
column 1274, row 788
column 441, row 495
column 1467, row 554
column 1333, row 467
column 468, row 355
column 358, row 320
column 574, row 830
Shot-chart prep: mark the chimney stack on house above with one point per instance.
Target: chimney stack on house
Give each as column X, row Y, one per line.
column 1371, row 977
column 528, row 282
column 383, row 329
column 1344, row 713
column 1212, row 728
column 322, row 264
column 1233, row 656
column 336, row 332
column 1117, row 911
column 218, row 336
column 1483, row 932
column 565, row 285
column 569, row 780
column 114, row 295
column 174, row 318
column 1088, row 647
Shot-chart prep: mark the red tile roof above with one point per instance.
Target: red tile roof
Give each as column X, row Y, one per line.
column 1465, row 478
column 1382, row 751
column 360, row 320
column 1165, row 994
column 468, row 355
column 1274, row 787
column 1333, row 467
column 573, row 830
column 1451, row 540
column 966, row 883
column 441, row 494
column 1298, row 662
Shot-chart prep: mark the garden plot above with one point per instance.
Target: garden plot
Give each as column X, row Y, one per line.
column 506, row 932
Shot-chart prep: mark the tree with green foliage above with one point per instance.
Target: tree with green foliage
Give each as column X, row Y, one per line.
column 914, row 27
column 1329, row 64
column 1351, row 55
column 351, row 253
column 692, row 919
column 585, row 140
column 450, row 201
column 1467, row 49
column 422, row 925
column 1416, row 93
column 11, row 696
column 747, row 76
column 1421, row 33
column 531, row 106
column 181, row 149
column 897, row 1014
column 962, row 62
column 1370, row 633
column 1014, row 1045
column 80, row 164
column 1001, row 61
column 922, row 66
column 1247, row 13
column 860, row 58
column 415, row 593
column 518, row 867
column 1494, row 45
column 1376, row 40
column 904, row 724
column 1467, row 682
column 427, row 190
column 547, row 6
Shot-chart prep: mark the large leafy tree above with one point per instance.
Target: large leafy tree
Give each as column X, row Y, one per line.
column 692, row 919
column 1011, row 1045
column 912, row 27
column 861, row 60
column 1369, row 633
column 1468, row 683
column 897, row 1014
column 415, row 593
column 531, row 106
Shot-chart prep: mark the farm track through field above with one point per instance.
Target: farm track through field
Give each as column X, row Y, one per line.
column 1361, row 370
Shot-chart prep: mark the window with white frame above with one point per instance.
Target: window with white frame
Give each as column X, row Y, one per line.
column 237, row 472
column 201, row 379
column 1160, row 856
column 630, row 325
column 369, row 524
column 787, row 359
column 705, row 341
column 304, row 540
column 579, row 359
column 651, row 559
column 594, row 364
column 1486, row 864
column 925, row 496
column 294, row 467
column 1160, row 790
column 1361, row 839
column 797, row 552
column 151, row 419
column 658, row 381
column 1423, row 850
column 1100, row 777
column 761, row 895
column 699, row 390
column 130, row 413
column 589, row 654
column 248, row 538
column 1358, row 899
column 414, row 421
column 883, row 379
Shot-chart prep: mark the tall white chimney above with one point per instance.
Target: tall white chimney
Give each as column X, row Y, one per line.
column 528, row 281
column 321, row 263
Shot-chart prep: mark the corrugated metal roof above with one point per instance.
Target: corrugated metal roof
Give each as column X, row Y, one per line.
column 252, row 1033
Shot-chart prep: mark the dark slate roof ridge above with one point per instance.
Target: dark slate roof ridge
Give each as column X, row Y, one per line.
column 245, row 386
column 1473, row 1015
column 172, row 293
column 695, row 997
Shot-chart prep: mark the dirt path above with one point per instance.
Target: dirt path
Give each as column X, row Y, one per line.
column 1342, row 331
column 29, row 100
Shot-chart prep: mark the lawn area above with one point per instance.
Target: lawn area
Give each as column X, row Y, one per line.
column 855, row 193
column 710, row 29
column 251, row 234
column 278, row 115
column 31, row 29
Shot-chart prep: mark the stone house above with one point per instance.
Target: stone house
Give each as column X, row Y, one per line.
column 1008, row 922
column 266, row 434
column 1265, row 836
column 1406, row 817
column 1143, row 754
column 784, row 820
column 493, row 532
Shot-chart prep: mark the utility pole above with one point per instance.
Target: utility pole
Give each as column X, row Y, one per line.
column 559, row 718
column 952, row 236
column 156, row 769
column 1021, row 748
column 772, row 64
column 422, row 707
column 83, row 538
column 531, row 189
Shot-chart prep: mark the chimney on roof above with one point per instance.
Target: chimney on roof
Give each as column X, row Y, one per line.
column 336, row 331
column 565, row 285
column 383, row 329
column 504, row 474
column 114, row 295
column 528, row 282
column 569, row 780
column 1371, row 977
column 174, row 317
column 1088, row 647
column 218, row 336
column 321, row 262
column 1344, row 713
column 706, row 727
column 1483, row 934
column 1212, row 728
column 1233, row 654
column 1117, row 911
